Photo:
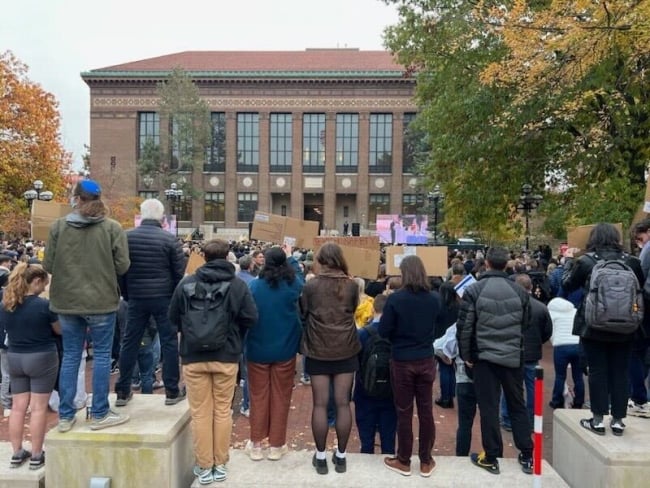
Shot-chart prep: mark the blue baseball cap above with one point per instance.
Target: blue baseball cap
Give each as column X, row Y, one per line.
column 90, row 187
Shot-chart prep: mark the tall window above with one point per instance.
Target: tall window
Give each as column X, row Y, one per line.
column 379, row 204
column 411, row 204
column 181, row 143
column 248, row 142
column 148, row 131
column 281, row 142
column 408, row 144
column 347, row 143
column 215, row 157
column 183, row 209
column 381, row 143
column 313, row 143
column 215, row 206
column 246, row 206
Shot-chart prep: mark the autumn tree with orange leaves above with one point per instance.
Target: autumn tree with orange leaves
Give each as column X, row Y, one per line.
column 549, row 92
column 30, row 145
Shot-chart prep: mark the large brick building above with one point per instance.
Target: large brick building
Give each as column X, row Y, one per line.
column 315, row 134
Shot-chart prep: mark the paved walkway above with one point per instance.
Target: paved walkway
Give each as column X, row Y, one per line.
column 299, row 427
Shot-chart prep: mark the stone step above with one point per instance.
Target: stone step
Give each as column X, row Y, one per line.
column 363, row 470
column 22, row 477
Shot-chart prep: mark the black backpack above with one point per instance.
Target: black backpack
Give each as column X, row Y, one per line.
column 541, row 286
column 206, row 321
column 375, row 365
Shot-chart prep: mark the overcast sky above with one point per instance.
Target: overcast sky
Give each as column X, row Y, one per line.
column 59, row 39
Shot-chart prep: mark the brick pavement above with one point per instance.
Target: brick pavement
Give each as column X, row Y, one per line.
column 299, row 430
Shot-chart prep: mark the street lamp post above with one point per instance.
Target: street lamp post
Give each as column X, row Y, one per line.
column 528, row 202
column 173, row 195
column 435, row 197
column 37, row 193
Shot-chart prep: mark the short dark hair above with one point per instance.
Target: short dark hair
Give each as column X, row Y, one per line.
column 497, row 257
column 216, row 249
column 604, row 236
column 379, row 302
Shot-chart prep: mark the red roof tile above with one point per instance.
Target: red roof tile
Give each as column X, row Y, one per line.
column 308, row 60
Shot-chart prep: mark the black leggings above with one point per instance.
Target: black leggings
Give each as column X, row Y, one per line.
column 320, row 388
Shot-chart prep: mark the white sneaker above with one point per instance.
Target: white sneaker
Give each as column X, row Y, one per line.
column 255, row 453
column 638, row 410
column 276, row 453
column 246, row 412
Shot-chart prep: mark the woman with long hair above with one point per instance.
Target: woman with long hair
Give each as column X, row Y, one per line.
column 32, row 357
column 409, row 320
column 450, row 305
column 331, row 347
column 271, row 348
column 607, row 353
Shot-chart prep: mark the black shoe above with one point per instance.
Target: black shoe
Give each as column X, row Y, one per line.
column 180, row 396
column 598, row 429
column 123, row 399
column 526, row 463
column 445, row 403
column 319, row 464
column 339, row 463
column 37, row 462
column 18, row 459
column 555, row 405
column 617, row 427
column 481, row 461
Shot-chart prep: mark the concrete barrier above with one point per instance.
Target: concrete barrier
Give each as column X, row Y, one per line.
column 153, row 449
column 21, row 477
column 587, row 460
column 365, row 470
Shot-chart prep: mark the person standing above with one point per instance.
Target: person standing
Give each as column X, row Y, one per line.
column 607, row 353
column 157, row 266
column 330, row 345
column 211, row 373
column 409, row 320
column 494, row 313
column 86, row 252
column 32, row 359
column 271, row 348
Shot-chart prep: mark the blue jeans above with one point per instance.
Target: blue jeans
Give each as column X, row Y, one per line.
column 529, row 385
column 447, row 380
column 144, row 368
column 243, row 368
column 562, row 357
column 73, row 332
column 375, row 415
column 638, row 373
column 138, row 315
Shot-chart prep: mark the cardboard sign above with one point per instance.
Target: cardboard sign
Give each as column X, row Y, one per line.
column 363, row 263
column 44, row 214
column 578, row 236
column 284, row 230
column 194, row 262
column 362, row 242
column 434, row 259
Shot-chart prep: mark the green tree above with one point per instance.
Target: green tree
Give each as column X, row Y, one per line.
column 183, row 148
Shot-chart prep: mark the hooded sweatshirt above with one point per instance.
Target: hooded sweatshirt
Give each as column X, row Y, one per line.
column 85, row 255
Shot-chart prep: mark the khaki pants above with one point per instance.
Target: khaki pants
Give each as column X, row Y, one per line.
column 270, row 387
column 210, row 389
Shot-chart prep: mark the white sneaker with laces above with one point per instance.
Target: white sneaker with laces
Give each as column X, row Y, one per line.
column 638, row 410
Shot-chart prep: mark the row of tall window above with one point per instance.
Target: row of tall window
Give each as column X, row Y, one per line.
column 280, row 142
column 215, row 206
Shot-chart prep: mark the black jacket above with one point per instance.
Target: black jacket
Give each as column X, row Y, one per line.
column 493, row 316
column 157, row 262
column 540, row 331
column 240, row 303
column 577, row 273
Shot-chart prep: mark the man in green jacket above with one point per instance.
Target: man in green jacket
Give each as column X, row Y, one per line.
column 86, row 252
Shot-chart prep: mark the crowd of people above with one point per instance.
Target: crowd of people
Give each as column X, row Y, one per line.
column 251, row 311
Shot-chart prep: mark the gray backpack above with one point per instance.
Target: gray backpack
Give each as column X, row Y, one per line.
column 614, row 300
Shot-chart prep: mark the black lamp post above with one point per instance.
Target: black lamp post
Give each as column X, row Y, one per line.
column 37, row 193
column 173, row 194
column 435, row 197
column 528, row 202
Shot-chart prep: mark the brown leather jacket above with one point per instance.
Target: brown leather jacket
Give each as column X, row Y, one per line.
column 327, row 305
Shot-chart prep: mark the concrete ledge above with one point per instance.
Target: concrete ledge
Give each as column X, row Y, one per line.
column 587, row 460
column 21, row 477
column 366, row 470
column 153, row 449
